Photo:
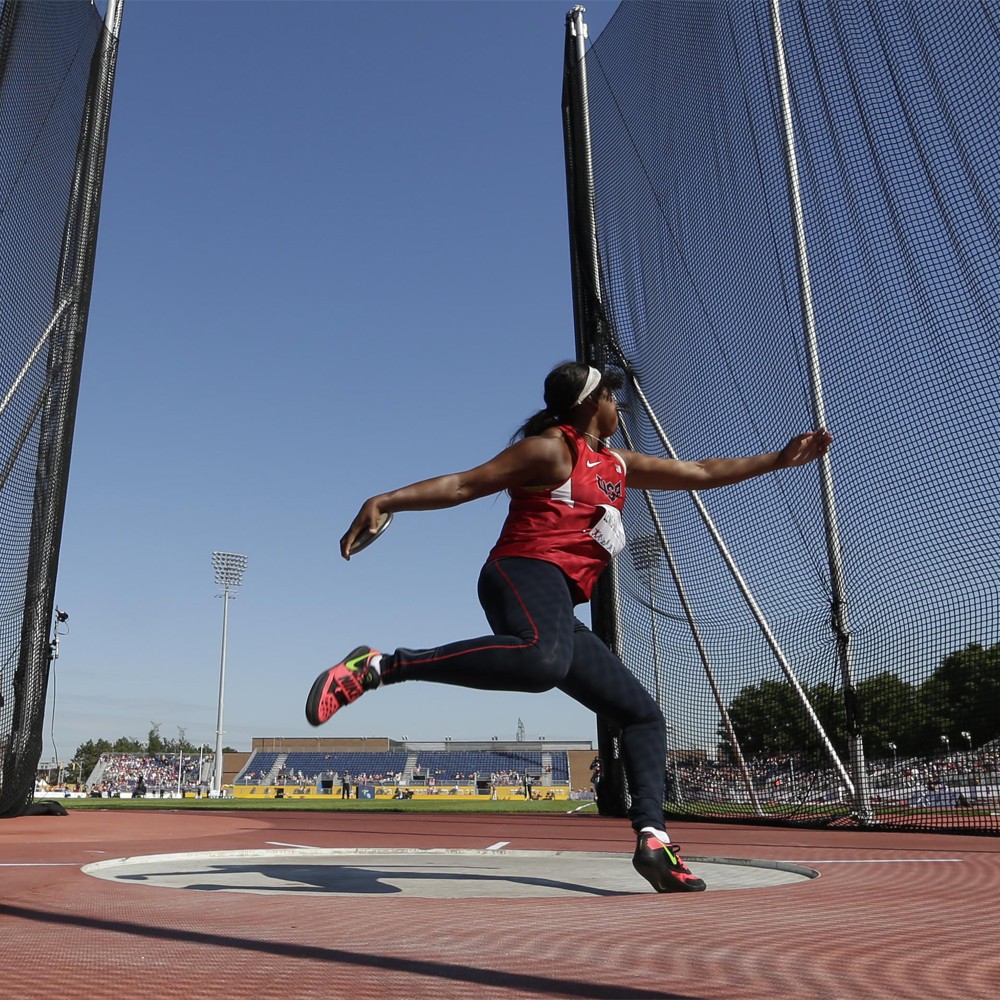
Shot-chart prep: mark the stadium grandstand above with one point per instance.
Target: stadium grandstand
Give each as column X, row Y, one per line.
column 128, row 775
column 364, row 767
column 379, row 767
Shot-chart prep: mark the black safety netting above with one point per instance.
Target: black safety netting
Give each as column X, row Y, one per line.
column 56, row 72
column 781, row 702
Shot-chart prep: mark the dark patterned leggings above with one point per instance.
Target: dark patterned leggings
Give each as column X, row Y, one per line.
column 538, row 644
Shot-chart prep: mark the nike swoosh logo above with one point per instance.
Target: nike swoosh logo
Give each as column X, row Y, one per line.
column 590, row 465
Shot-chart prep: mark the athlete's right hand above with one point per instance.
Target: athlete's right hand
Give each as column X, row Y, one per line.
column 366, row 520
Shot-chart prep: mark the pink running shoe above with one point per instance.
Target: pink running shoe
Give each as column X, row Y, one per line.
column 341, row 684
column 661, row 866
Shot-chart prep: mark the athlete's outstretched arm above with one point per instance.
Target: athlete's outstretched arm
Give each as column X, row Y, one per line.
column 650, row 473
column 535, row 461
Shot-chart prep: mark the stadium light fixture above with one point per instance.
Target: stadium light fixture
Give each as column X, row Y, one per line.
column 229, row 569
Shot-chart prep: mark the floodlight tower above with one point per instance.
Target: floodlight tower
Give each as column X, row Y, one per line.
column 229, row 569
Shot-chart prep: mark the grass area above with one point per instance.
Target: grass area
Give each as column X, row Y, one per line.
column 471, row 806
column 726, row 810
column 960, row 821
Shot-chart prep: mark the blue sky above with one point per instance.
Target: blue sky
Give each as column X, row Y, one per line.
column 333, row 259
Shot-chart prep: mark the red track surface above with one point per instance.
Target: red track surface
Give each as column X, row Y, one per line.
column 889, row 918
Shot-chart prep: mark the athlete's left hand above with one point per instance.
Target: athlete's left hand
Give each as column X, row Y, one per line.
column 805, row 448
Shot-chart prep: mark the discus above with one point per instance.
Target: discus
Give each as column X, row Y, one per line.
column 367, row 537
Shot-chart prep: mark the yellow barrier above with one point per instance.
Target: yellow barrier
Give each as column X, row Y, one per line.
column 383, row 792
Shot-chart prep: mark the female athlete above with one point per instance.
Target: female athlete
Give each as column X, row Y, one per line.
column 567, row 491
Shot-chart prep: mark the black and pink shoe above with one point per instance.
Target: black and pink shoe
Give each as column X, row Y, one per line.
column 661, row 866
column 341, row 684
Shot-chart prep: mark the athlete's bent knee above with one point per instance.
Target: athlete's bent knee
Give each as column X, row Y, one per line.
column 548, row 669
column 642, row 713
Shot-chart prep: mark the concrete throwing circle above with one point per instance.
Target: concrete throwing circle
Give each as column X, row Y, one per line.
column 426, row 874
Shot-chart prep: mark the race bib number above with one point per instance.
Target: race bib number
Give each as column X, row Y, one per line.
column 609, row 532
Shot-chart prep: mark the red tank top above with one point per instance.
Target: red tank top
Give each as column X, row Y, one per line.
column 576, row 525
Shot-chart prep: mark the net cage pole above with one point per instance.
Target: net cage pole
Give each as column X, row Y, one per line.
column 56, row 408
column 839, row 611
column 591, row 332
column 36, row 350
column 40, row 399
column 747, row 595
column 644, row 553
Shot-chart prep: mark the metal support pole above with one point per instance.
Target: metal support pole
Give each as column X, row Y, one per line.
column 217, row 770
column 841, row 625
column 26, row 367
column 588, row 315
column 591, row 339
column 583, row 235
column 113, row 17
column 229, row 569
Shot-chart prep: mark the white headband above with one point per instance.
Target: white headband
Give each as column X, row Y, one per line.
column 593, row 381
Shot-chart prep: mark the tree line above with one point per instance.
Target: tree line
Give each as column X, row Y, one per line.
column 956, row 708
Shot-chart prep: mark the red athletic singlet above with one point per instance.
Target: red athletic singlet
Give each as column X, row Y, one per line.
column 576, row 525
